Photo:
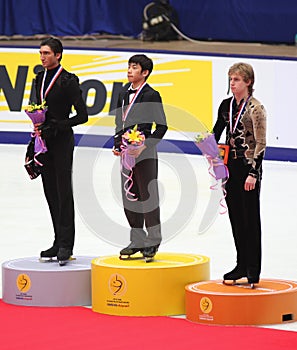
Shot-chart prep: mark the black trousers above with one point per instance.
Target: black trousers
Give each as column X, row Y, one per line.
column 144, row 211
column 244, row 214
column 57, row 184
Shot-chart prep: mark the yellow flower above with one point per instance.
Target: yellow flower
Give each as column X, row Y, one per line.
column 201, row 136
column 33, row 107
column 134, row 136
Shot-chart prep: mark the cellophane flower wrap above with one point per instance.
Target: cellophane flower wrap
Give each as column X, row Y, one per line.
column 37, row 115
column 131, row 139
column 207, row 144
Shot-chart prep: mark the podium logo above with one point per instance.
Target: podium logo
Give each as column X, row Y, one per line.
column 117, row 284
column 205, row 305
column 23, row 283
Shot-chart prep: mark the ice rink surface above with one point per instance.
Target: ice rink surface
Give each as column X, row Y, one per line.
column 190, row 211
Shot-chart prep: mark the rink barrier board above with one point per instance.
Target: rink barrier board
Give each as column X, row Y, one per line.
column 137, row 288
column 102, row 141
column 272, row 301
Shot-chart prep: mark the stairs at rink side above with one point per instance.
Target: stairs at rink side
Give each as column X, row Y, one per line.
column 29, row 282
column 272, row 301
column 138, row 288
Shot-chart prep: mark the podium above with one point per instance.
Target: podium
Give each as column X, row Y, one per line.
column 29, row 282
column 270, row 302
column 137, row 288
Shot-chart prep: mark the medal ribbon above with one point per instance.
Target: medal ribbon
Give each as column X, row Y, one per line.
column 125, row 113
column 54, row 78
column 128, row 163
column 238, row 115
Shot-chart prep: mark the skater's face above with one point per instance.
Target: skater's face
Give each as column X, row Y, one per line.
column 48, row 58
column 238, row 86
column 136, row 75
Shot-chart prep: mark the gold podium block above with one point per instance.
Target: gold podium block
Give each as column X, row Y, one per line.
column 137, row 288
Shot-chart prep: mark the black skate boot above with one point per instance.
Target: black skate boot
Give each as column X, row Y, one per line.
column 49, row 254
column 253, row 279
column 232, row 277
column 150, row 252
column 64, row 255
column 236, row 274
column 132, row 249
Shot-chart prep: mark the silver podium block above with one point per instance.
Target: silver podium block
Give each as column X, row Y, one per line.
column 30, row 282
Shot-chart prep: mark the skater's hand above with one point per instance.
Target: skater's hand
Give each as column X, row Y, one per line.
column 137, row 151
column 250, row 183
column 116, row 152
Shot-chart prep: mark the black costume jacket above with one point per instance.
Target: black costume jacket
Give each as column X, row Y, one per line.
column 250, row 134
column 64, row 94
column 146, row 112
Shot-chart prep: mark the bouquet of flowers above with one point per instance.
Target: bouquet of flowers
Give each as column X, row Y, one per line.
column 36, row 112
column 208, row 146
column 131, row 139
column 37, row 115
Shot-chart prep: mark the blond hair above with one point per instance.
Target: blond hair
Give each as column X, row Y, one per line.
column 246, row 71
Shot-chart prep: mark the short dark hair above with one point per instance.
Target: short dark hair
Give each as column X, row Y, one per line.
column 55, row 45
column 145, row 62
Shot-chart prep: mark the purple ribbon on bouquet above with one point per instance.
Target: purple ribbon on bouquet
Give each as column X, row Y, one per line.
column 38, row 117
column 128, row 162
column 209, row 148
column 39, row 147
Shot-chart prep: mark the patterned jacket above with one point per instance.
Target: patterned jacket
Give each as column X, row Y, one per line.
column 250, row 133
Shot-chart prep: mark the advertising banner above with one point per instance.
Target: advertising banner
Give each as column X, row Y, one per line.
column 191, row 85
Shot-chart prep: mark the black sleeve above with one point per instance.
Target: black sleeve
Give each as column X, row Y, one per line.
column 73, row 91
column 30, row 149
column 117, row 139
column 159, row 119
column 221, row 121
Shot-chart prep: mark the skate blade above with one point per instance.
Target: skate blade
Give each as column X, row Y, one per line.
column 47, row 260
column 239, row 284
column 124, row 257
column 130, row 257
column 64, row 262
column 149, row 259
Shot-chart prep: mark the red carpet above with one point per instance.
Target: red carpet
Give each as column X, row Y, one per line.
column 72, row 328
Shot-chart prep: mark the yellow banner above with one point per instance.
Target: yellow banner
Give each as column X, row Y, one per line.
column 184, row 82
